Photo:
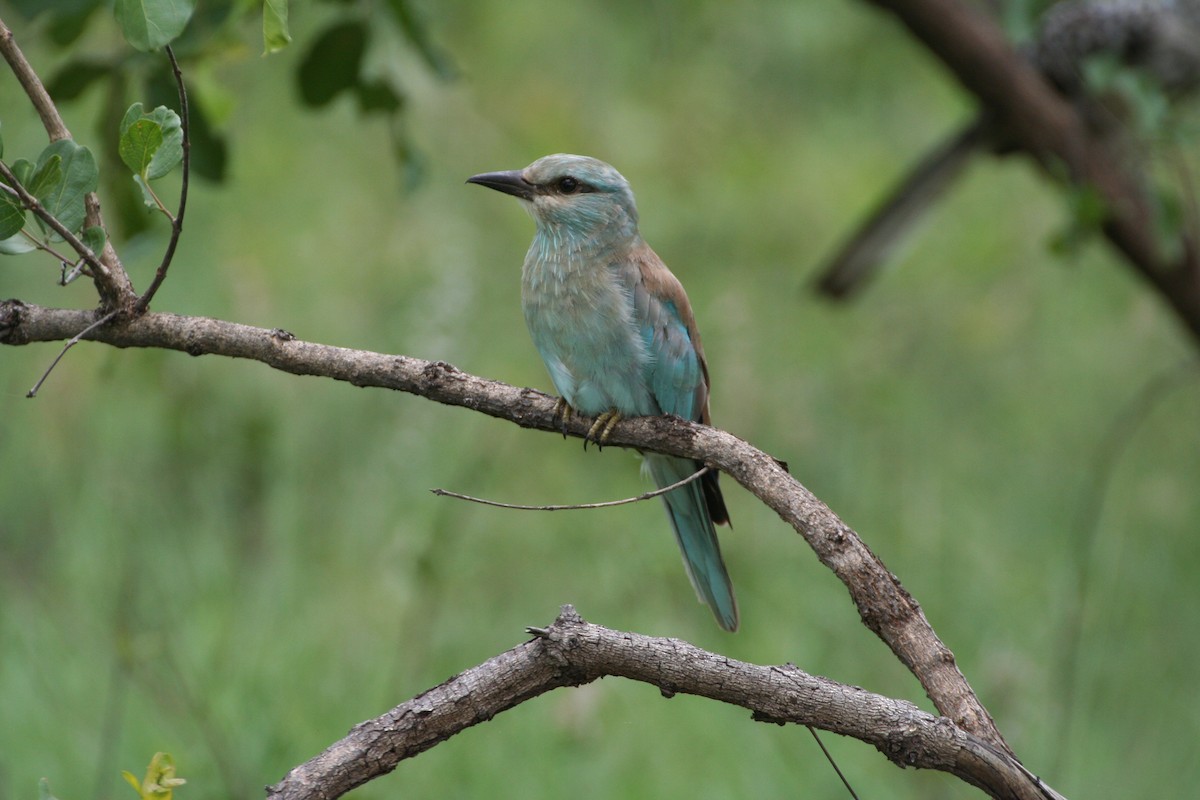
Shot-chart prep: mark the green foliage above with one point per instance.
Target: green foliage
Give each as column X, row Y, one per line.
column 151, row 144
column 12, row 215
column 160, row 781
column 205, row 40
column 333, row 63
column 64, row 173
column 275, row 26
column 150, row 24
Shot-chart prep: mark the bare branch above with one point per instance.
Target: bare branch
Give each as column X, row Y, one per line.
column 884, row 605
column 573, row 652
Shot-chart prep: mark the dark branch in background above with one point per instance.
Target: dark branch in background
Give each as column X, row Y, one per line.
column 112, row 282
column 1028, row 112
column 176, row 221
column 573, row 652
column 884, row 605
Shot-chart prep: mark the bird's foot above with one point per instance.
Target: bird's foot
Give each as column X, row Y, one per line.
column 602, row 428
column 563, row 413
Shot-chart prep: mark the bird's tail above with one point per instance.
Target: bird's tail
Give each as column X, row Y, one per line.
column 688, row 509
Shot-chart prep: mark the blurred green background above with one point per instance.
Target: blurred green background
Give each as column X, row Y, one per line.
column 234, row 565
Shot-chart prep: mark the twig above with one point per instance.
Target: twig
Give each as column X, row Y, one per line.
column 607, row 504
column 832, row 763
column 177, row 221
column 71, row 343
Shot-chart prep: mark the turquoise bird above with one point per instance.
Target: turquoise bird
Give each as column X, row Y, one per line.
column 616, row 332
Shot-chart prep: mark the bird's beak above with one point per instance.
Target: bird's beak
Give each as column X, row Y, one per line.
column 511, row 182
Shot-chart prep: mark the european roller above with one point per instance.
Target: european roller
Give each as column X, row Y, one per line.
column 616, row 332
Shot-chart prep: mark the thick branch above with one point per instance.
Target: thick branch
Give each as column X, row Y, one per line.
column 572, row 652
column 884, row 605
column 1047, row 126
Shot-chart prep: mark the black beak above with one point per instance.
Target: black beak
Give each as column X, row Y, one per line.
column 510, row 182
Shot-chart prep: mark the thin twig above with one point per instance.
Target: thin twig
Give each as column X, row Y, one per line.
column 832, row 763
column 177, row 221
column 1087, row 534
column 70, row 343
column 607, row 504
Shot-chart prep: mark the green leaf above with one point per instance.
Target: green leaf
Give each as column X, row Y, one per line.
column 15, row 245
column 378, row 95
column 94, row 237
column 47, row 177
column 12, row 216
column 1, row 147
column 133, row 781
column 74, row 77
column 332, row 64
column 79, row 176
column 147, row 195
column 170, row 154
column 160, row 780
column 146, row 153
column 149, row 24
column 275, row 26
column 23, row 170
column 132, row 115
column 138, row 145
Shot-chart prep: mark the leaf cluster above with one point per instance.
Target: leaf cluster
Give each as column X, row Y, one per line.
column 206, row 35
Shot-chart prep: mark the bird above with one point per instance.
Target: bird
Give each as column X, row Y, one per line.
column 617, row 335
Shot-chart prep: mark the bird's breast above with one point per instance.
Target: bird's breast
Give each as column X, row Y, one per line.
column 580, row 316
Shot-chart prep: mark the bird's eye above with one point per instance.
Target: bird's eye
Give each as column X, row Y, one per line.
column 568, row 185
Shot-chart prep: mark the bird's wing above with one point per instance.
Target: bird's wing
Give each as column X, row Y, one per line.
column 676, row 372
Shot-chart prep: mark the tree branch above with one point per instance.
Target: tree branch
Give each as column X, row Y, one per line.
column 112, row 282
column 573, row 652
column 1047, row 126
column 883, row 604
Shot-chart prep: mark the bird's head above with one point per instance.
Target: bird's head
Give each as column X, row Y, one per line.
column 578, row 194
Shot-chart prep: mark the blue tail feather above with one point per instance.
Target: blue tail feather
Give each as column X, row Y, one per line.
column 694, row 531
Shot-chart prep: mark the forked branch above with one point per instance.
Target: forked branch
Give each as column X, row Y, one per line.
column 573, row 652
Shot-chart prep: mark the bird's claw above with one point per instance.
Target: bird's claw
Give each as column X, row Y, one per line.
column 602, row 428
column 563, row 413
